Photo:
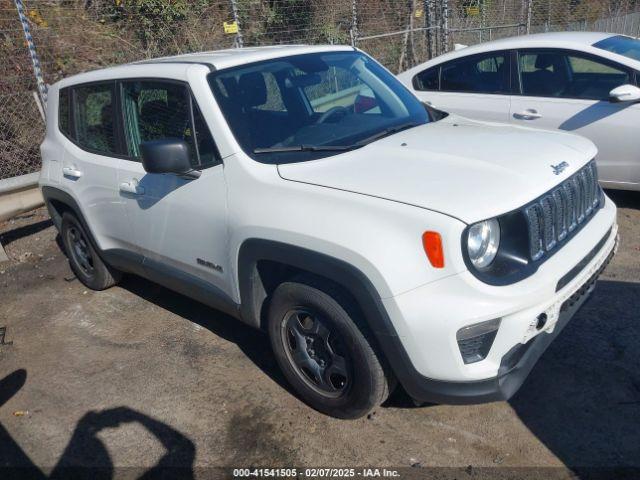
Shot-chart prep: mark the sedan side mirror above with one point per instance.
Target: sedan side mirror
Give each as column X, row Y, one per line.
column 625, row 93
column 170, row 155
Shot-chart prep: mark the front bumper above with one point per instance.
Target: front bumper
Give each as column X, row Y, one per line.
column 431, row 367
column 515, row 365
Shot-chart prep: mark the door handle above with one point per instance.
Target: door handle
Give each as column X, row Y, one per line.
column 529, row 114
column 71, row 172
column 132, row 187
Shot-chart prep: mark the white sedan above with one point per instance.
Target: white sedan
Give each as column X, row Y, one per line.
column 580, row 82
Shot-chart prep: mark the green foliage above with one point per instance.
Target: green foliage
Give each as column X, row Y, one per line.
column 153, row 21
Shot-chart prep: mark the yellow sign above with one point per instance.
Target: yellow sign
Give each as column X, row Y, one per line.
column 418, row 13
column 230, row 27
column 473, row 11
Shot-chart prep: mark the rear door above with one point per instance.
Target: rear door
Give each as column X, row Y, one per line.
column 476, row 86
column 569, row 90
column 91, row 159
column 179, row 224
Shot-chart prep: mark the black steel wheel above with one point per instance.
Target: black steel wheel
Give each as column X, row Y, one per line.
column 79, row 250
column 83, row 257
column 325, row 349
column 314, row 348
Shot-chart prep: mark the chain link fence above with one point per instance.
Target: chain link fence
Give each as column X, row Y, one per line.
column 71, row 36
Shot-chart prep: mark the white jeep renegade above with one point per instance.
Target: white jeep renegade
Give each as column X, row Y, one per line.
column 308, row 193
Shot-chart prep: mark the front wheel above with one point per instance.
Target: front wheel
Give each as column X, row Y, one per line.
column 330, row 361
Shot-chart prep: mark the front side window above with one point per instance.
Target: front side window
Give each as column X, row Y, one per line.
column 485, row 73
column 307, row 106
column 626, row 46
column 94, row 117
column 158, row 110
column 567, row 75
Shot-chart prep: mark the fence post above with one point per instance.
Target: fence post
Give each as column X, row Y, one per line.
column 239, row 41
column 529, row 13
column 445, row 26
column 428, row 27
column 354, row 23
column 42, row 87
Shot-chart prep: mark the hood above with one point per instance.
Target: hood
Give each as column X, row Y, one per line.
column 467, row 169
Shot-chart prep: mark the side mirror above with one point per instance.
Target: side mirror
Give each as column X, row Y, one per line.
column 625, row 93
column 169, row 155
column 434, row 113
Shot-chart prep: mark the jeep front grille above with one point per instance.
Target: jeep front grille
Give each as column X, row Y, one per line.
column 558, row 213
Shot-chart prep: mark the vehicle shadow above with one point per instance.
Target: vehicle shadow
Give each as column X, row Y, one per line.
column 582, row 399
column 86, row 456
column 593, row 113
column 252, row 342
column 17, row 233
column 625, row 198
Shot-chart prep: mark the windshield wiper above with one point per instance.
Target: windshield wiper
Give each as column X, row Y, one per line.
column 386, row 132
column 306, row 148
column 338, row 148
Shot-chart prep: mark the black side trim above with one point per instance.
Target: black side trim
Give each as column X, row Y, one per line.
column 571, row 274
column 130, row 262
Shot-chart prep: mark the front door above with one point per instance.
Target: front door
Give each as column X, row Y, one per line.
column 179, row 224
column 570, row 91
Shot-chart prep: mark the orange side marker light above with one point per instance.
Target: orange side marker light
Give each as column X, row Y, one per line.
column 432, row 243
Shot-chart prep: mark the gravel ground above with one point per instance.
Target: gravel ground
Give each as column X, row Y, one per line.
column 138, row 376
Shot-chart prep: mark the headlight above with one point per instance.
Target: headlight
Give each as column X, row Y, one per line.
column 482, row 242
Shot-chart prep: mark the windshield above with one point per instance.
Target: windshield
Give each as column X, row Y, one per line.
column 310, row 106
column 627, row 46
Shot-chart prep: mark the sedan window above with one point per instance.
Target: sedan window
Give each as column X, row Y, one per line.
column 427, row 80
column 486, row 73
column 547, row 73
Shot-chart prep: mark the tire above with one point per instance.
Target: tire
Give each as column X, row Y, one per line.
column 339, row 371
column 83, row 257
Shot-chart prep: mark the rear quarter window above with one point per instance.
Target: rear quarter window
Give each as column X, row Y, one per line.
column 427, row 80
column 64, row 112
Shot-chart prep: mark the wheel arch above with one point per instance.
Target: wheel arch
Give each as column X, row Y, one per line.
column 58, row 202
column 254, row 294
column 258, row 275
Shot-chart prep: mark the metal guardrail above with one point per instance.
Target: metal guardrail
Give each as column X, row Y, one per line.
column 18, row 195
column 10, row 185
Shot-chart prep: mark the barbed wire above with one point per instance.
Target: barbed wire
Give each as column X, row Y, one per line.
column 71, row 36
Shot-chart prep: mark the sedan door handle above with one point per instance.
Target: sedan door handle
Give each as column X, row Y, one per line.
column 132, row 187
column 71, row 172
column 529, row 114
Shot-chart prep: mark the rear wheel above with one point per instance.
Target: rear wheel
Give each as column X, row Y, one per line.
column 84, row 260
column 324, row 350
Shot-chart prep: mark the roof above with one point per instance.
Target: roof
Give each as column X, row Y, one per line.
column 216, row 59
column 579, row 38
column 232, row 57
column 572, row 40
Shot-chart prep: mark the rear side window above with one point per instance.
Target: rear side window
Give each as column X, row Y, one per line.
column 64, row 112
column 94, row 118
column 157, row 110
column 486, row 73
column 427, row 80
